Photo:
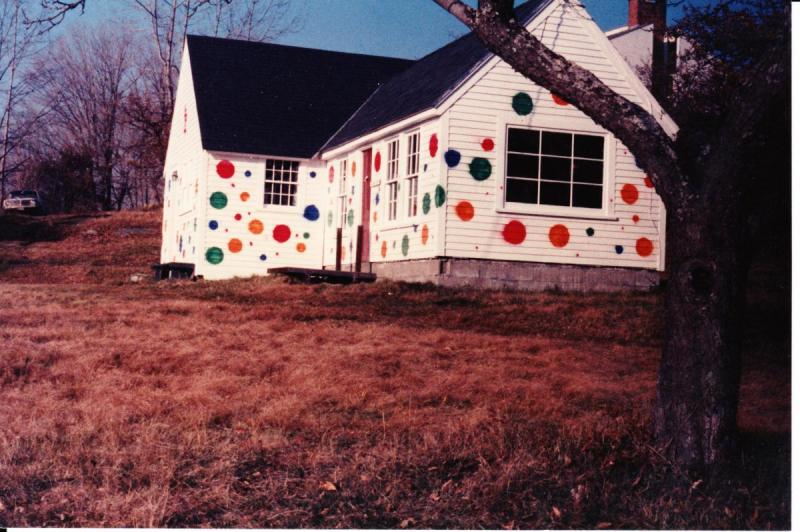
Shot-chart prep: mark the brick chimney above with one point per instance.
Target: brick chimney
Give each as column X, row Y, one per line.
column 644, row 12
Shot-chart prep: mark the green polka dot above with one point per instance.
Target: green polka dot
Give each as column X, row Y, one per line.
column 214, row 255
column 351, row 217
column 330, row 218
column 480, row 168
column 426, row 203
column 522, row 103
column 306, row 235
column 439, row 196
column 218, row 200
column 404, row 245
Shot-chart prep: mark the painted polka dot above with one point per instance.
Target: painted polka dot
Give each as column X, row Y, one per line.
column 384, row 249
column 514, row 232
column 452, row 158
column 213, row 225
column 248, row 173
column 522, row 103
column 301, row 248
column 235, row 245
column 619, row 249
column 256, row 227
column 225, row 169
column 330, row 174
column 559, row 235
column 558, row 99
column 465, row 210
column 311, row 213
column 330, row 218
column 589, row 231
column 353, row 169
column 263, row 257
column 218, row 200
column 425, row 234
column 281, row 233
column 648, row 182
column 644, row 247
column 377, row 198
column 378, row 162
column 306, row 235
column 244, row 196
column 487, row 144
column 426, row 203
column 629, row 194
column 214, row 255
column 480, row 168
column 439, row 196
column 433, row 145
column 375, row 217
column 404, row 245
column 313, row 175
column 635, row 218
column 237, row 217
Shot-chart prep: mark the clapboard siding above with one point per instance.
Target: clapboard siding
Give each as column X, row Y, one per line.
column 484, row 110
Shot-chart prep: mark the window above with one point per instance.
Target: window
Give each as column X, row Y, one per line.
column 391, row 178
column 342, row 193
column 412, row 173
column 553, row 168
column 280, row 182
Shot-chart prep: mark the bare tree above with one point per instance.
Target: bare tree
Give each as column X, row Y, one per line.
column 704, row 193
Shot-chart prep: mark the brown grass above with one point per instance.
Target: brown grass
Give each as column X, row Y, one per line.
column 257, row 403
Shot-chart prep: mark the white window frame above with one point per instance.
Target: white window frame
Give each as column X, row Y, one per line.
column 606, row 212
column 412, row 173
column 294, row 198
column 392, row 179
column 342, row 194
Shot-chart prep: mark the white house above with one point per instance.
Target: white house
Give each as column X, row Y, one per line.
column 452, row 169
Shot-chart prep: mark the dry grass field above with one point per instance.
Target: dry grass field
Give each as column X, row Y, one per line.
column 258, row 403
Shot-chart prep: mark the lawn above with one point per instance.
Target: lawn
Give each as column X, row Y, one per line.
column 258, row 403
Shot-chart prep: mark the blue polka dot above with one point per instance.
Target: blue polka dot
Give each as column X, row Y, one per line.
column 424, row 167
column 619, row 249
column 313, row 174
column 311, row 213
column 248, row 173
column 452, row 158
column 213, row 225
column 353, row 189
column 263, row 257
column 377, row 198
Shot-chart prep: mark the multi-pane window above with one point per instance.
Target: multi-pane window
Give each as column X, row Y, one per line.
column 280, row 182
column 552, row 168
column 342, row 192
column 392, row 167
column 412, row 173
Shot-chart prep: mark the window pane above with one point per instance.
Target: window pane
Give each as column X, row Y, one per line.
column 588, row 171
column 555, row 194
column 556, row 143
column 589, row 146
column 524, row 140
column 523, row 165
column 589, row 196
column 555, row 169
column 521, row 191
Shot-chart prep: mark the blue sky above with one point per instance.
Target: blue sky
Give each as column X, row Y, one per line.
column 397, row 28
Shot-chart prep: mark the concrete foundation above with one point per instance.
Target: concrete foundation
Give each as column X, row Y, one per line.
column 531, row 276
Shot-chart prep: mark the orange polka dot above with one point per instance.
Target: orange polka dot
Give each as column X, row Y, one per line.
column 384, row 248
column 353, row 169
column 465, row 210
column 558, row 99
column 425, row 234
column 301, row 247
column 648, row 182
column 375, row 216
column 559, row 235
column 644, row 247
column 244, row 196
column 235, row 245
column 629, row 194
column 256, row 227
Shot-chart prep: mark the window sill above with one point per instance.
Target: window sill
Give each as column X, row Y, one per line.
column 560, row 214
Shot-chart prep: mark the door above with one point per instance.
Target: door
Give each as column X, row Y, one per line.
column 366, row 194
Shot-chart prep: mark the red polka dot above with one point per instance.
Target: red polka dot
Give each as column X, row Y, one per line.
column 629, row 194
column 281, row 233
column 237, row 217
column 635, row 218
column 465, row 210
column 514, row 232
column 225, row 169
column 330, row 174
column 559, row 235
column 378, row 161
column 487, row 144
column 433, row 145
column 558, row 99
column 648, row 182
column 644, row 247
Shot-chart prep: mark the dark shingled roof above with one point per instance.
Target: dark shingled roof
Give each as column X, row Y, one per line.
column 269, row 99
column 424, row 85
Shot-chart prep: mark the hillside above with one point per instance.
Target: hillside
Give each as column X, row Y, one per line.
column 258, row 403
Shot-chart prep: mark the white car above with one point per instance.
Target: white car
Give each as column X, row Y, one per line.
column 24, row 200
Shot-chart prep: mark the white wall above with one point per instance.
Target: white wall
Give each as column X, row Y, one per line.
column 484, row 111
